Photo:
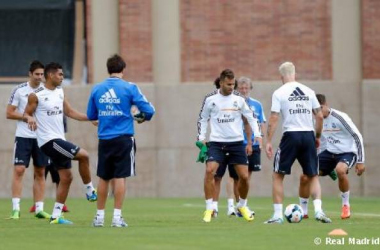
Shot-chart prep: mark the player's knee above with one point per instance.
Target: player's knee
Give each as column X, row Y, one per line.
column 82, row 155
column 303, row 179
column 39, row 173
column 19, row 171
column 66, row 178
column 341, row 170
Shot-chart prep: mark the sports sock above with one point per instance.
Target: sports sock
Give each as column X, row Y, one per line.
column 230, row 202
column 304, row 204
column 39, row 206
column 209, row 204
column 57, row 211
column 116, row 213
column 16, row 203
column 277, row 210
column 345, row 198
column 242, row 202
column 100, row 213
column 89, row 188
column 317, row 205
column 215, row 205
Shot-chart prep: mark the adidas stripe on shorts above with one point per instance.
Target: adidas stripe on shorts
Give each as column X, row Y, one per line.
column 61, row 152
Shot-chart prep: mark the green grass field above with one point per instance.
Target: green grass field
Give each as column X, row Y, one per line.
column 177, row 224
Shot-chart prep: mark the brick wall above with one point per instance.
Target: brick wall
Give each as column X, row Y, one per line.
column 135, row 22
column 371, row 39
column 254, row 37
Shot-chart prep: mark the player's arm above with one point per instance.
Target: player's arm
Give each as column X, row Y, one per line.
column 29, row 111
column 262, row 121
column 13, row 103
column 358, row 138
column 272, row 126
column 248, row 133
column 73, row 113
column 248, row 114
column 146, row 108
column 92, row 109
column 204, row 116
column 318, row 125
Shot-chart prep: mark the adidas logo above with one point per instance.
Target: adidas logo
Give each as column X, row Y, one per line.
column 109, row 97
column 298, row 95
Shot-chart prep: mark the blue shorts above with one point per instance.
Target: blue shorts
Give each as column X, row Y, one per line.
column 116, row 157
column 61, row 152
column 328, row 161
column 24, row 149
column 298, row 145
column 230, row 153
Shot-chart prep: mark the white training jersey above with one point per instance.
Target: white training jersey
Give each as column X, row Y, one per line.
column 19, row 99
column 225, row 116
column 49, row 115
column 340, row 135
column 295, row 102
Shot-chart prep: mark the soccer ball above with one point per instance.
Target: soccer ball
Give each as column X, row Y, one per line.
column 293, row 213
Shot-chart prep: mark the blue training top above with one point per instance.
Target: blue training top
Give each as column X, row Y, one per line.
column 258, row 111
column 110, row 103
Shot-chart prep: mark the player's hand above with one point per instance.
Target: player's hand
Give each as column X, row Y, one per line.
column 140, row 117
column 359, row 169
column 317, row 142
column 32, row 125
column 95, row 123
column 248, row 149
column 269, row 150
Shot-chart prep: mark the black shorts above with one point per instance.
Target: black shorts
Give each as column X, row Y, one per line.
column 230, row 153
column 254, row 160
column 298, row 145
column 52, row 169
column 116, row 157
column 25, row 148
column 222, row 170
column 328, row 161
column 61, row 152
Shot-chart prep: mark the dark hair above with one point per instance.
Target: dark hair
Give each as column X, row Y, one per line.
column 115, row 64
column 51, row 67
column 217, row 83
column 35, row 65
column 321, row 99
column 227, row 73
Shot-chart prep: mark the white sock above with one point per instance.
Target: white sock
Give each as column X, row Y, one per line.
column 16, row 203
column 317, row 205
column 277, row 210
column 242, row 202
column 345, row 198
column 116, row 213
column 39, row 206
column 230, row 202
column 215, row 205
column 100, row 214
column 57, row 211
column 304, row 204
column 209, row 204
column 89, row 188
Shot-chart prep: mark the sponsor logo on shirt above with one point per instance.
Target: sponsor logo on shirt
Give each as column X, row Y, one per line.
column 332, row 140
column 298, row 95
column 109, row 97
column 300, row 109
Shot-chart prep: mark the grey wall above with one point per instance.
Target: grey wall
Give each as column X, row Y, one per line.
column 166, row 152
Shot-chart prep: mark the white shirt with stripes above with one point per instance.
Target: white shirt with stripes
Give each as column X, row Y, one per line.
column 19, row 99
column 340, row 135
column 225, row 116
column 49, row 115
column 295, row 102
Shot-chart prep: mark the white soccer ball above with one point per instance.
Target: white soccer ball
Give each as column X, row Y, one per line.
column 293, row 213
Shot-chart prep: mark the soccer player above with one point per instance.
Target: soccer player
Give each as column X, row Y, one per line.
column 26, row 144
column 342, row 148
column 296, row 103
column 110, row 103
column 224, row 109
column 48, row 104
